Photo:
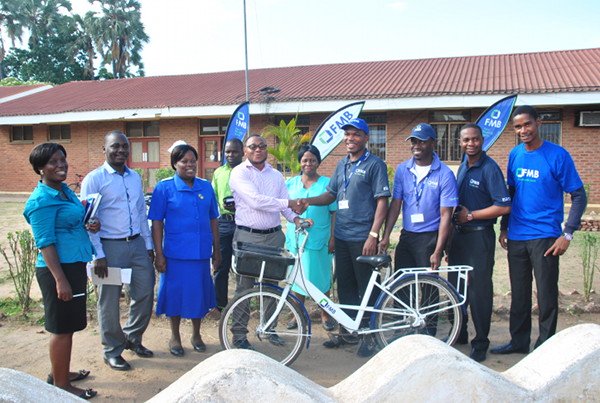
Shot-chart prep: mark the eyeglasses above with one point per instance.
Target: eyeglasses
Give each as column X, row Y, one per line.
column 253, row 147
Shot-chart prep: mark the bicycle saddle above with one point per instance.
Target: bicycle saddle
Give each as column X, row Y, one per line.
column 376, row 260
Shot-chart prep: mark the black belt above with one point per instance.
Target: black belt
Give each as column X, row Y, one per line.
column 227, row 217
column 127, row 238
column 465, row 229
column 260, row 231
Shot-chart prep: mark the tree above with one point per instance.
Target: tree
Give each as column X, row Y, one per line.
column 54, row 57
column 88, row 30
column 288, row 139
column 10, row 26
column 121, row 36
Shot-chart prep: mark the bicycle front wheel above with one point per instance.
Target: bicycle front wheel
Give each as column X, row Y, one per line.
column 427, row 306
column 243, row 325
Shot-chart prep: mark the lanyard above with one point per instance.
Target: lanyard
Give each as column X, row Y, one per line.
column 420, row 187
column 360, row 160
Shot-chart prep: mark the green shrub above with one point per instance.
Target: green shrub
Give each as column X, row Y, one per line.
column 590, row 245
column 21, row 265
column 164, row 173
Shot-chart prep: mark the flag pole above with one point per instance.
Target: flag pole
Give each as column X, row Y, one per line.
column 246, row 54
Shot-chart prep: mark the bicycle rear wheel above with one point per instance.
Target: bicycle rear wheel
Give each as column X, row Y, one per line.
column 433, row 309
column 244, row 319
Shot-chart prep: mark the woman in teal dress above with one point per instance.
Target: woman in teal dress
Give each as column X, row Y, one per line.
column 186, row 236
column 317, row 257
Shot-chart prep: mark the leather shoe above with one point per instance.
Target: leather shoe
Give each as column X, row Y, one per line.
column 463, row 338
column 117, row 363
column 140, row 350
column 509, row 348
column 478, row 355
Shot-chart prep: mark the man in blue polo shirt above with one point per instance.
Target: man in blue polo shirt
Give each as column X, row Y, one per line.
column 360, row 186
column 539, row 173
column 483, row 197
column 425, row 189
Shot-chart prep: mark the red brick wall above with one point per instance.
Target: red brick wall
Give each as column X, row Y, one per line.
column 85, row 148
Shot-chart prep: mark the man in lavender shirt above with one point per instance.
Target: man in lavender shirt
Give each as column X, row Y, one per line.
column 260, row 197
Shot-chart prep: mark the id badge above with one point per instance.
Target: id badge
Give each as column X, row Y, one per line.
column 343, row 204
column 417, row 218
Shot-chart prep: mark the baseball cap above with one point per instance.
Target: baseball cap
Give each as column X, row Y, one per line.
column 359, row 124
column 423, row 132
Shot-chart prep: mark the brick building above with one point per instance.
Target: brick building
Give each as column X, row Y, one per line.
column 446, row 92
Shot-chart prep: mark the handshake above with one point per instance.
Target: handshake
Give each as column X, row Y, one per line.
column 299, row 206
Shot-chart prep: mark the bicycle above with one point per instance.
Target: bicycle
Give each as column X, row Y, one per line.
column 410, row 301
column 76, row 186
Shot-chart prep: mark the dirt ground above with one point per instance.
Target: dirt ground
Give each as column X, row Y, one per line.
column 24, row 344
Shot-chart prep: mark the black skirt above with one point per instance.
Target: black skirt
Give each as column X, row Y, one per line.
column 61, row 316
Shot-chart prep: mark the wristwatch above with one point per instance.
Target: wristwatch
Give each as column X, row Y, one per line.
column 374, row 234
column 568, row 237
column 469, row 216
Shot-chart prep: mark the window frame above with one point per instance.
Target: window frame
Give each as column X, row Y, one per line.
column 145, row 126
column 64, row 129
column 23, row 140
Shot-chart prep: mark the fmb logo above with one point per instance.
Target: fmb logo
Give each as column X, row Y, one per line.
column 325, row 305
column 527, row 173
column 496, row 114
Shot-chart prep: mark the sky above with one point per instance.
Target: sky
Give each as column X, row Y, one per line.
column 200, row 36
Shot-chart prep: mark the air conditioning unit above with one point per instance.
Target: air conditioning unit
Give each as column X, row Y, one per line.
column 589, row 118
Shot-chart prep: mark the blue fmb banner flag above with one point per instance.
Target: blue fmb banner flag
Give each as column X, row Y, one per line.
column 239, row 125
column 494, row 119
column 330, row 133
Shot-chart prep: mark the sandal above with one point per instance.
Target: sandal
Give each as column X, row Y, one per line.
column 79, row 375
column 88, row 394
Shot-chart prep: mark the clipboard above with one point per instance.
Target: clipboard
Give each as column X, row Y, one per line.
column 116, row 276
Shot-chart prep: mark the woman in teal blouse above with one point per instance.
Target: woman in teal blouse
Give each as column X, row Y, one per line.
column 56, row 218
column 317, row 257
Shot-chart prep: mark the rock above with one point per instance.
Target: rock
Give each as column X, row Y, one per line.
column 17, row 387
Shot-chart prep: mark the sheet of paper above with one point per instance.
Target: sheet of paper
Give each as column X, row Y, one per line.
column 116, row 276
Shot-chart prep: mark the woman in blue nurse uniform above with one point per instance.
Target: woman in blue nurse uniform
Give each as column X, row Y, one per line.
column 185, row 231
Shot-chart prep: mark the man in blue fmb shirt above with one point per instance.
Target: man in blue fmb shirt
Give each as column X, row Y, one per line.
column 539, row 173
column 123, row 241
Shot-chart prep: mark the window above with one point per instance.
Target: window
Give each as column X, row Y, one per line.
column 213, row 127
column 377, row 133
column 143, row 129
column 302, row 121
column 551, row 128
column 59, row 132
column 21, row 133
column 447, row 124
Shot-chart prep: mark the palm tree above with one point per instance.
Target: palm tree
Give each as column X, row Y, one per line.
column 88, row 28
column 288, row 139
column 121, row 35
column 41, row 17
column 10, row 26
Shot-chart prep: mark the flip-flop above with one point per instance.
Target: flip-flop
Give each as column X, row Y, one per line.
column 81, row 374
column 88, row 394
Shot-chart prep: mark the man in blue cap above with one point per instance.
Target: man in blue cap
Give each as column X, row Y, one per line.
column 360, row 186
column 425, row 189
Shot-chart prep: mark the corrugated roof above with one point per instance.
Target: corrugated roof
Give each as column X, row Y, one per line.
column 8, row 91
column 526, row 73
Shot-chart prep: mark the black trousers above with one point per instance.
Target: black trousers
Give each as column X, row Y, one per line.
column 352, row 277
column 414, row 250
column 476, row 249
column 523, row 257
column 221, row 275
